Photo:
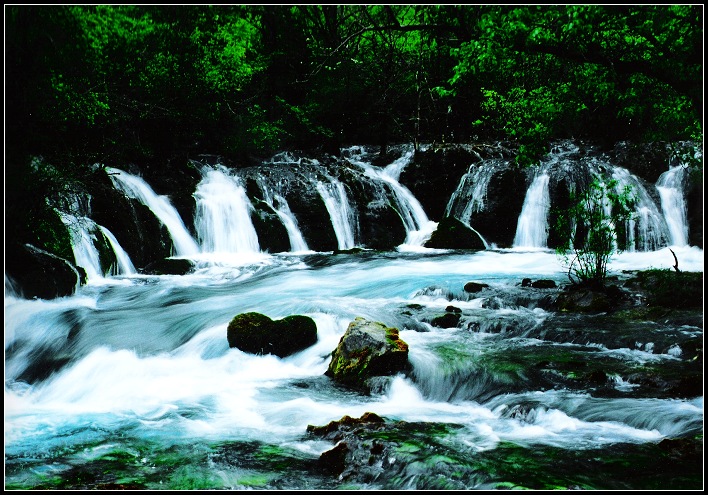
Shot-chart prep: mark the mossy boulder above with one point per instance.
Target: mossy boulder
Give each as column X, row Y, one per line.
column 367, row 350
column 256, row 333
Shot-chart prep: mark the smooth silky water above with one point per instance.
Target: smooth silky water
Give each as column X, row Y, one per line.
column 131, row 382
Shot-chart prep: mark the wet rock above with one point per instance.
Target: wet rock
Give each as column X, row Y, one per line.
column 40, row 274
column 170, row 266
column 453, row 234
column 475, row 287
column 256, row 333
column 367, row 349
column 448, row 320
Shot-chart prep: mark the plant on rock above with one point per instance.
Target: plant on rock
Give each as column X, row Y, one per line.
column 588, row 229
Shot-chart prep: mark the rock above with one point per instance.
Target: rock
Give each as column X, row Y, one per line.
column 453, row 234
column 448, row 320
column 39, row 274
column 256, row 333
column 474, row 287
column 543, row 284
column 367, row 349
column 169, row 266
column 345, row 455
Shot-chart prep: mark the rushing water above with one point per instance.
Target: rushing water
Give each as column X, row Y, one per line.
column 134, row 376
column 130, row 383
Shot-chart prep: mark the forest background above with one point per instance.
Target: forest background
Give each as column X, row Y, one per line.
column 114, row 84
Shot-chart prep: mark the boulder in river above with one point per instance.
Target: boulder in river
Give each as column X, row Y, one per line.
column 256, row 333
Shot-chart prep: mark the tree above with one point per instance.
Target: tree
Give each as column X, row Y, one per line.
column 588, row 229
column 579, row 70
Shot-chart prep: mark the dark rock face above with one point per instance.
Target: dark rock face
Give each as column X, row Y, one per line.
column 434, row 174
column 453, row 234
column 177, row 179
column 38, row 273
column 694, row 206
column 256, row 333
column 135, row 227
column 646, row 160
column 505, row 198
column 366, row 350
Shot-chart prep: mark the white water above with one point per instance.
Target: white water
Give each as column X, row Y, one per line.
column 82, row 233
column 136, row 187
column 532, row 227
column 223, row 216
column 673, row 205
column 124, row 264
column 282, row 209
column 418, row 226
column 471, row 194
column 150, row 359
column 343, row 220
column 650, row 226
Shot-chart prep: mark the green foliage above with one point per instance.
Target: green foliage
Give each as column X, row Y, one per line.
column 588, row 229
column 161, row 83
column 569, row 71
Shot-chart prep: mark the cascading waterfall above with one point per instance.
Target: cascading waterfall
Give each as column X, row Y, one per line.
column 223, row 216
column 82, row 233
column 343, row 220
column 135, row 187
column 418, row 227
column 532, row 227
column 124, row 264
column 282, row 209
column 673, row 205
column 471, row 193
column 648, row 231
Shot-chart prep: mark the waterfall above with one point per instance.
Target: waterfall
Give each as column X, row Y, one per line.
column 673, row 205
column 282, row 209
column 471, row 193
column 532, row 227
column 124, row 264
column 343, row 220
column 82, row 233
column 648, row 231
column 418, row 227
column 223, row 217
column 135, row 187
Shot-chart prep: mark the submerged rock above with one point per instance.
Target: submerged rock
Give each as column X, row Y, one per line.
column 256, row 333
column 366, row 350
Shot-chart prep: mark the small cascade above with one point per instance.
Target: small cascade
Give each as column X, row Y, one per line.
column 343, row 220
column 84, row 234
column 673, row 204
column 471, row 193
column 223, row 216
column 135, row 187
column 82, row 231
column 648, row 231
column 418, row 227
column 532, row 228
column 282, row 209
column 124, row 264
